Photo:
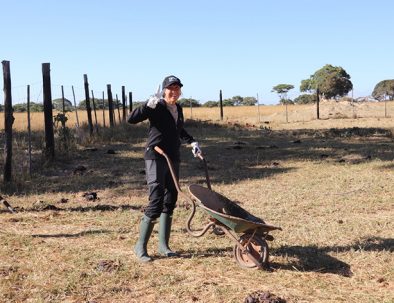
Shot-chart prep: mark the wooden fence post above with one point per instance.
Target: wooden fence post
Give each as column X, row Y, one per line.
column 130, row 102
column 117, row 106
column 221, row 105
column 8, row 121
column 29, row 126
column 63, row 105
column 47, row 96
column 258, row 107
column 124, row 103
column 287, row 113
column 318, row 104
column 94, row 110
column 103, row 110
column 87, row 100
column 110, row 106
column 75, row 106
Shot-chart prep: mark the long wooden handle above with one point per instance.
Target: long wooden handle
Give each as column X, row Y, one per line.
column 206, row 170
column 159, row 150
column 172, row 171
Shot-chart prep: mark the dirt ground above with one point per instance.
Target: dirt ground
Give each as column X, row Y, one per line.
column 327, row 183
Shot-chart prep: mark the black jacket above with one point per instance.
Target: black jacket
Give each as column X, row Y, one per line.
column 163, row 131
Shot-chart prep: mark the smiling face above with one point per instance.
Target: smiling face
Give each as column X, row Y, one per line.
column 172, row 93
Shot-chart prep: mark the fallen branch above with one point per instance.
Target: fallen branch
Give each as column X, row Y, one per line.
column 7, row 205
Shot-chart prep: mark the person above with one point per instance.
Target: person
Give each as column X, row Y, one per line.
column 166, row 130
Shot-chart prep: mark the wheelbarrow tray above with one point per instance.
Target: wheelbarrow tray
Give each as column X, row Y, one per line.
column 228, row 212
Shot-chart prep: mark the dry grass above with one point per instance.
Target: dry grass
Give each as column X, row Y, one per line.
column 329, row 189
column 273, row 116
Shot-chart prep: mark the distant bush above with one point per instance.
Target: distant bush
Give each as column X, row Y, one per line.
column 186, row 102
column 22, row 107
column 99, row 104
column 58, row 105
column 305, row 99
column 211, row 104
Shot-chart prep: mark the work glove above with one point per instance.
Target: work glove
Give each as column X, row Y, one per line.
column 154, row 99
column 196, row 150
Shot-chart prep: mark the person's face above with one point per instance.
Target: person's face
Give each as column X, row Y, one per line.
column 172, row 93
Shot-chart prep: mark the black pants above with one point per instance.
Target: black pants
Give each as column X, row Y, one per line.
column 162, row 191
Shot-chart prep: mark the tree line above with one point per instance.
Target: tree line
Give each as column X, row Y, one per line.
column 330, row 82
column 103, row 104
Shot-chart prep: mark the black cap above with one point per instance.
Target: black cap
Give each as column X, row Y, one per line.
column 169, row 80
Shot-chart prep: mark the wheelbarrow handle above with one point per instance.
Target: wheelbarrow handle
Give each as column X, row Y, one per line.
column 172, row 171
column 206, row 170
column 159, row 150
column 191, row 201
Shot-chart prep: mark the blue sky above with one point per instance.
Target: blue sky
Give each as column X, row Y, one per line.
column 241, row 47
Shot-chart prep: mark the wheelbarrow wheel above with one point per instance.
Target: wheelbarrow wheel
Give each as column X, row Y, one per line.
column 257, row 248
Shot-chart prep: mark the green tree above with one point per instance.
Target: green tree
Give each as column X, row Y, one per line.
column 99, row 103
column 228, row 102
column 211, row 104
column 58, row 105
column 1, row 108
column 329, row 81
column 185, row 102
column 248, row 101
column 20, row 107
column 36, row 107
column 237, row 100
column 384, row 89
column 306, row 99
column 282, row 90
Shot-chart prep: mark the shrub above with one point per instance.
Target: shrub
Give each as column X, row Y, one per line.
column 305, row 99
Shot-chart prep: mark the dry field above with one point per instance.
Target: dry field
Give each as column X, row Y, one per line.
column 327, row 183
column 274, row 116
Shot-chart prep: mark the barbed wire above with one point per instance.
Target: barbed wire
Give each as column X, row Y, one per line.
column 19, row 92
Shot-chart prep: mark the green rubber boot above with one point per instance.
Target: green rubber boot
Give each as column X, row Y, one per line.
column 146, row 228
column 164, row 235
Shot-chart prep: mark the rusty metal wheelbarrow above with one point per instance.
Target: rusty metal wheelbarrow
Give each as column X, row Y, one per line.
column 226, row 217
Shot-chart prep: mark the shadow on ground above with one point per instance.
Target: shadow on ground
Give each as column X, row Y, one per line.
column 233, row 153
column 76, row 235
column 82, row 209
column 317, row 259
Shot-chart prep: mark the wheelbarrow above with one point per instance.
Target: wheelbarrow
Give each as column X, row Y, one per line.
column 226, row 217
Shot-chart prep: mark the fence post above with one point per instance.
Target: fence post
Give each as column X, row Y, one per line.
column 318, row 104
column 87, row 100
column 124, row 103
column 94, row 110
column 47, row 95
column 385, row 107
column 103, row 110
column 29, row 126
column 221, row 105
column 117, row 106
column 8, row 121
column 287, row 113
column 63, row 105
column 130, row 101
column 258, row 107
column 75, row 106
column 110, row 106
